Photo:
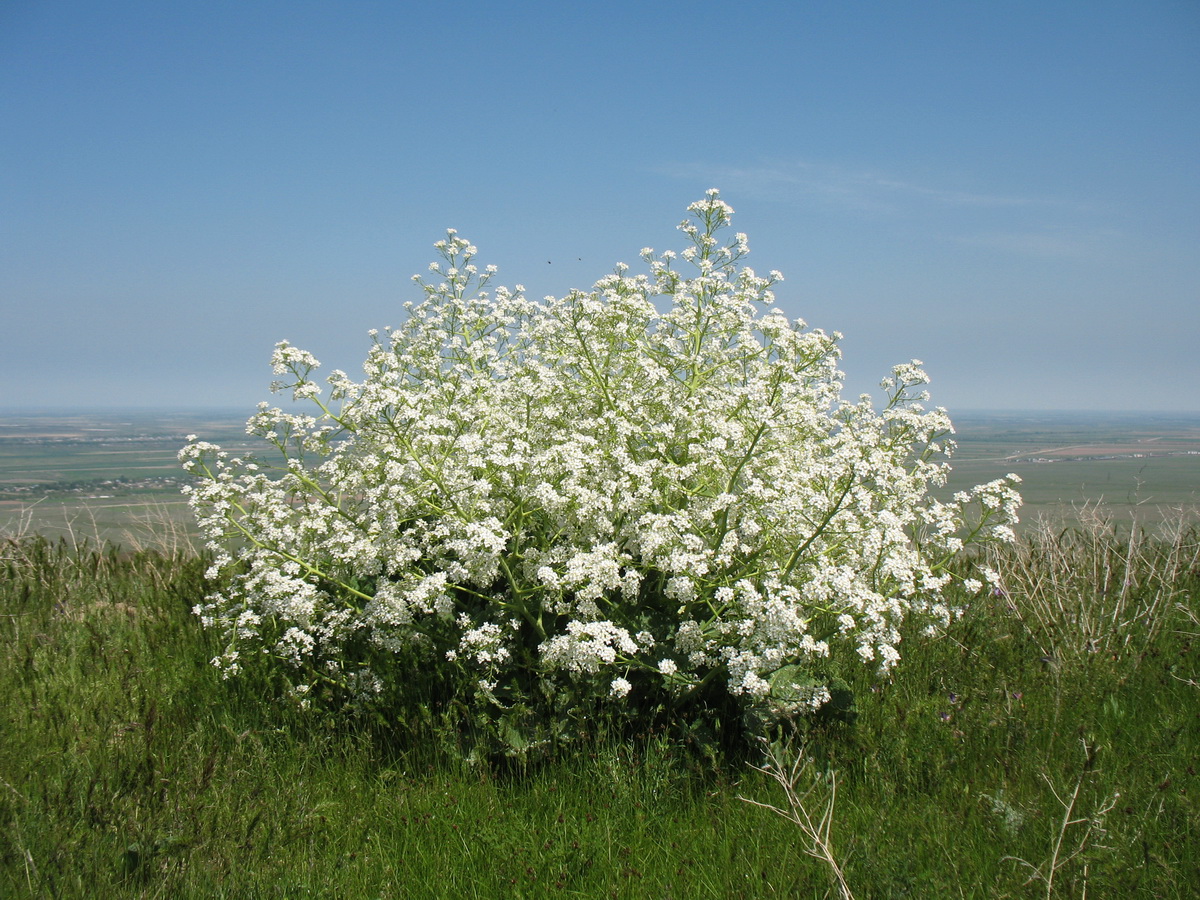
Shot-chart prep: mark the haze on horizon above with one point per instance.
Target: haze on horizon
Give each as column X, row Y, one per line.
column 1006, row 192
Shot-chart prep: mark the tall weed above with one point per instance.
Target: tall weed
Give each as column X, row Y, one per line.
column 1094, row 587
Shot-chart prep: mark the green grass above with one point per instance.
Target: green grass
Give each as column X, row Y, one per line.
column 128, row 768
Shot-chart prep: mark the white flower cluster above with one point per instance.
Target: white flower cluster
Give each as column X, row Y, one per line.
column 577, row 485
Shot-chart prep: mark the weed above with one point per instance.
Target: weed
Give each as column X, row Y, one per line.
column 811, row 797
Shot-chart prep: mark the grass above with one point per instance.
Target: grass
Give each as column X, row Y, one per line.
column 1047, row 745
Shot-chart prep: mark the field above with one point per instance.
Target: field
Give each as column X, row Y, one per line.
column 1139, row 466
column 1047, row 744
column 115, row 476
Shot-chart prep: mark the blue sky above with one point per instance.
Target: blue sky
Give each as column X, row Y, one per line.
column 1007, row 191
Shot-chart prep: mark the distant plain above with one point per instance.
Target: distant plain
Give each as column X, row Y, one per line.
column 1133, row 466
column 115, row 475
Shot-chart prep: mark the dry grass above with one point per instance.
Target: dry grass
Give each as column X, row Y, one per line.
column 1093, row 587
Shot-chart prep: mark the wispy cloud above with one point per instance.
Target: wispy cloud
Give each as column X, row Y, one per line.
column 861, row 190
column 1018, row 224
column 1062, row 243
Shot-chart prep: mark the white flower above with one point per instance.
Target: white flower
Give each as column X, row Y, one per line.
column 564, row 479
column 296, row 646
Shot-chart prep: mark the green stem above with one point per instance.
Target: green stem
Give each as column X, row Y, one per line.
column 833, row 510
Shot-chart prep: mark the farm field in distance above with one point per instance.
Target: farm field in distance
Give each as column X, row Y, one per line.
column 1136, row 466
column 108, row 475
column 115, row 476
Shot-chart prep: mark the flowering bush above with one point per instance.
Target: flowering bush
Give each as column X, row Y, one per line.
column 648, row 489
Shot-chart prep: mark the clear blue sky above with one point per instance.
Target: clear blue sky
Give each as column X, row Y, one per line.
column 1008, row 191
